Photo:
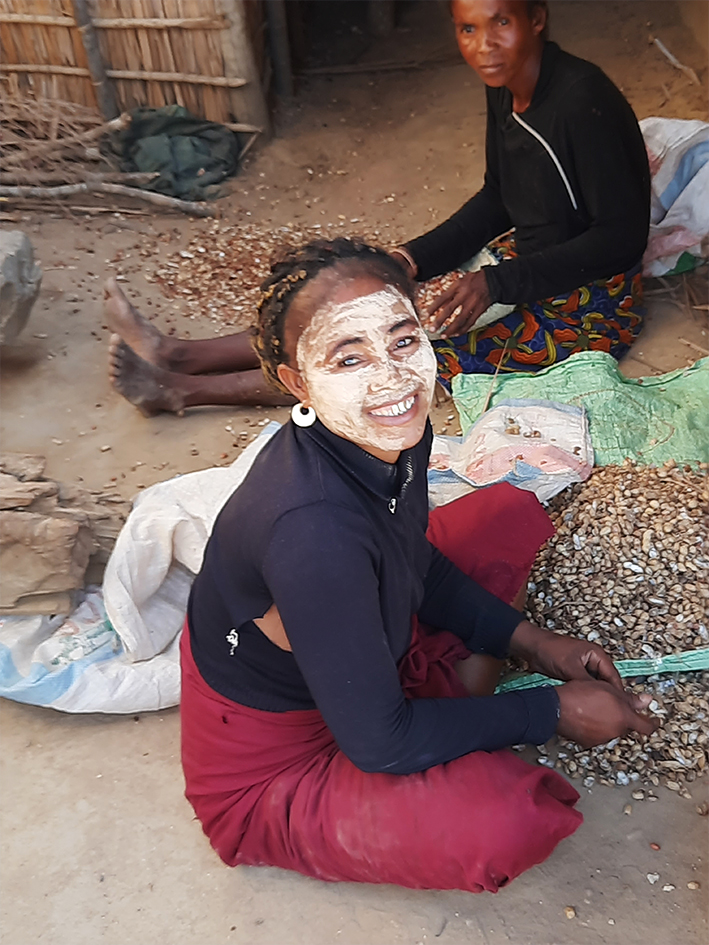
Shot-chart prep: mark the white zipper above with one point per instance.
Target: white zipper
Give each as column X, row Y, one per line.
column 552, row 155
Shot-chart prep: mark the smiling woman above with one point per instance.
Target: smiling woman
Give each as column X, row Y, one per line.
column 341, row 650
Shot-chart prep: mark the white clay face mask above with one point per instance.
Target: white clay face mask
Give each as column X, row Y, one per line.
column 370, row 370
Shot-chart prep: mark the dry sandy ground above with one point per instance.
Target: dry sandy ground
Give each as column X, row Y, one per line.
column 99, row 844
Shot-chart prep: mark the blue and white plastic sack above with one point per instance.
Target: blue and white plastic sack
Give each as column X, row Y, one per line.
column 678, row 151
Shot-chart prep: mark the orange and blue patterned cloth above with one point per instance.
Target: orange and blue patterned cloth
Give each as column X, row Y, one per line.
column 605, row 315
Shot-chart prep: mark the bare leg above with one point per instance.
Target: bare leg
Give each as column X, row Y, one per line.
column 210, row 355
column 153, row 389
column 480, row 673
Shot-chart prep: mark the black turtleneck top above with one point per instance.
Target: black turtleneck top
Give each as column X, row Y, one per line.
column 570, row 174
column 337, row 539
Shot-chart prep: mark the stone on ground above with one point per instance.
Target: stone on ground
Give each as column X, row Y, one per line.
column 20, row 280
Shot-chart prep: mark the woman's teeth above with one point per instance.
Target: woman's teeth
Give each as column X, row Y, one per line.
column 395, row 410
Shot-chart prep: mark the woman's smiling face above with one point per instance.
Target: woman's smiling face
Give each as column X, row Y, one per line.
column 368, row 366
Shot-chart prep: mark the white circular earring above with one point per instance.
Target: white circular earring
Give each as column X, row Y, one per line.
column 303, row 416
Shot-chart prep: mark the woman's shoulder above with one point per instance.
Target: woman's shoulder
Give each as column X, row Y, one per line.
column 292, row 472
column 571, row 79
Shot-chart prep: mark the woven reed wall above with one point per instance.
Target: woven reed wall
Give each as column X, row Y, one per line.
column 189, row 51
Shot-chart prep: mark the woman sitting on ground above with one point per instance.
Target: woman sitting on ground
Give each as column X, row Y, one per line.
column 566, row 168
column 339, row 660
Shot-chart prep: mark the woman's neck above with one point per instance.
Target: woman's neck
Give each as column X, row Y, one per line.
column 525, row 81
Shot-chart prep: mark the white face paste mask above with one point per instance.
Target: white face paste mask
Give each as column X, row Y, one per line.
column 369, row 381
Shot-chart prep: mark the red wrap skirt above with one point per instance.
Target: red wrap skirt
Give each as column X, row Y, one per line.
column 274, row 789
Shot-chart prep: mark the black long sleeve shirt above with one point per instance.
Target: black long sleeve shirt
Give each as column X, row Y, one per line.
column 574, row 183
column 336, row 538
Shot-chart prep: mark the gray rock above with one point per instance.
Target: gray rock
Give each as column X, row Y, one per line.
column 50, row 533
column 41, row 555
column 20, row 280
column 23, row 466
column 18, row 495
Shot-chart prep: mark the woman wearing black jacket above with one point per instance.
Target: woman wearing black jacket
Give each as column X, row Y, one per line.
column 566, row 169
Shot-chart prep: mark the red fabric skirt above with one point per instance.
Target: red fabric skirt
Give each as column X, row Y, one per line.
column 273, row 788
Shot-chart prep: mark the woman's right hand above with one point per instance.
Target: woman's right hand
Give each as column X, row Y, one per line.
column 593, row 712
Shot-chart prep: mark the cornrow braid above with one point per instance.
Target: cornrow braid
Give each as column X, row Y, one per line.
column 295, row 269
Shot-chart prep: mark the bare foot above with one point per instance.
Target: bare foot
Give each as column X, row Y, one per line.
column 137, row 332
column 149, row 388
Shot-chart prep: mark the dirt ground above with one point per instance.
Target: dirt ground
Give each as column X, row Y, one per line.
column 99, row 842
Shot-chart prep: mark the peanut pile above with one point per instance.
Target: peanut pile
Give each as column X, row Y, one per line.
column 629, row 568
column 219, row 273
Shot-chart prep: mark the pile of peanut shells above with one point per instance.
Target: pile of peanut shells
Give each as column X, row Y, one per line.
column 219, row 272
column 628, row 568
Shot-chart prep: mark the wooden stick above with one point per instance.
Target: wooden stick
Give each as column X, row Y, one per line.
column 161, row 200
column 280, row 47
column 239, row 59
column 52, row 178
column 241, row 126
column 33, row 20
column 64, row 190
column 692, row 345
column 103, row 89
column 43, row 69
column 158, row 23
column 247, row 147
column 116, row 124
column 155, row 23
column 690, row 73
column 494, row 379
column 219, row 80
column 114, row 209
column 68, row 190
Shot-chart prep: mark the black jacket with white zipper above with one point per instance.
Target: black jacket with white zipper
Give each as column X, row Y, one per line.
column 570, row 174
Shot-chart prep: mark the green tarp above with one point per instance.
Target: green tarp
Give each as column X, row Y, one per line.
column 687, row 662
column 649, row 419
column 192, row 155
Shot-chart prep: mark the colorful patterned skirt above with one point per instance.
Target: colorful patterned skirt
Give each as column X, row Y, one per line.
column 605, row 315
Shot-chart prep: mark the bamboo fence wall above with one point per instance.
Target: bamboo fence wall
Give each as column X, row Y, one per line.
column 42, row 54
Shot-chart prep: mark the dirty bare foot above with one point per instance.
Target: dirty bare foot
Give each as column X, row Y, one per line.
column 149, row 388
column 134, row 329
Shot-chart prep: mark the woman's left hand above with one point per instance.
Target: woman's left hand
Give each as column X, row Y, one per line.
column 562, row 657
column 471, row 294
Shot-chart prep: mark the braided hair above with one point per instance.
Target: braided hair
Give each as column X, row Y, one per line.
column 295, row 269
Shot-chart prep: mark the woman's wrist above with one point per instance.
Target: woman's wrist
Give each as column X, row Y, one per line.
column 411, row 265
column 525, row 640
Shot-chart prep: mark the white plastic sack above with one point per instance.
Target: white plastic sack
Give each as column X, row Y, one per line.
column 536, row 445
column 159, row 551
column 78, row 664
column 497, row 310
column 678, row 151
